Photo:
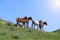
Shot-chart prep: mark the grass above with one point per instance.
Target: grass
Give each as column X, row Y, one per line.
column 9, row 32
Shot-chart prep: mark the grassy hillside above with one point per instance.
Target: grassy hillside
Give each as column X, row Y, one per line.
column 57, row 31
column 9, row 32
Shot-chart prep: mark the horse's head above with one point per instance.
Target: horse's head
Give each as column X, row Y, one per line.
column 30, row 18
column 45, row 23
column 25, row 17
column 40, row 21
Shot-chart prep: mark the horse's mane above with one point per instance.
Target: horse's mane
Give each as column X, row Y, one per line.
column 40, row 21
column 25, row 17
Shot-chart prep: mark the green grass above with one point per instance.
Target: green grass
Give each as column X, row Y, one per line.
column 57, row 31
column 9, row 32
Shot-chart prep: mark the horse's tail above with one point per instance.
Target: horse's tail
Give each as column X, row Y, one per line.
column 17, row 20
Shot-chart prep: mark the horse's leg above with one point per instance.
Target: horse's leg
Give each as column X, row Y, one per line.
column 27, row 24
column 23, row 25
column 37, row 27
column 34, row 26
column 18, row 24
column 40, row 27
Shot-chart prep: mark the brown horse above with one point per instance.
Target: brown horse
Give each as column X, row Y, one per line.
column 38, row 23
column 23, row 20
column 41, row 24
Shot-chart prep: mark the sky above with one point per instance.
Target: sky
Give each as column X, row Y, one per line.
column 46, row 10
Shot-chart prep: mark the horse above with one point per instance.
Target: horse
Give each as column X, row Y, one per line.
column 35, row 22
column 23, row 20
column 39, row 24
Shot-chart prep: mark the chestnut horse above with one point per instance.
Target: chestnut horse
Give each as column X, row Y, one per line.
column 23, row 20
column 38, row 23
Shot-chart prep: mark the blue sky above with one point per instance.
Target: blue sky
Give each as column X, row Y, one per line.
column 46, row 10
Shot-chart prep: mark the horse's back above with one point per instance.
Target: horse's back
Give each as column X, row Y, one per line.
column 36, row 21
column 22, row 20
column 18, row 19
